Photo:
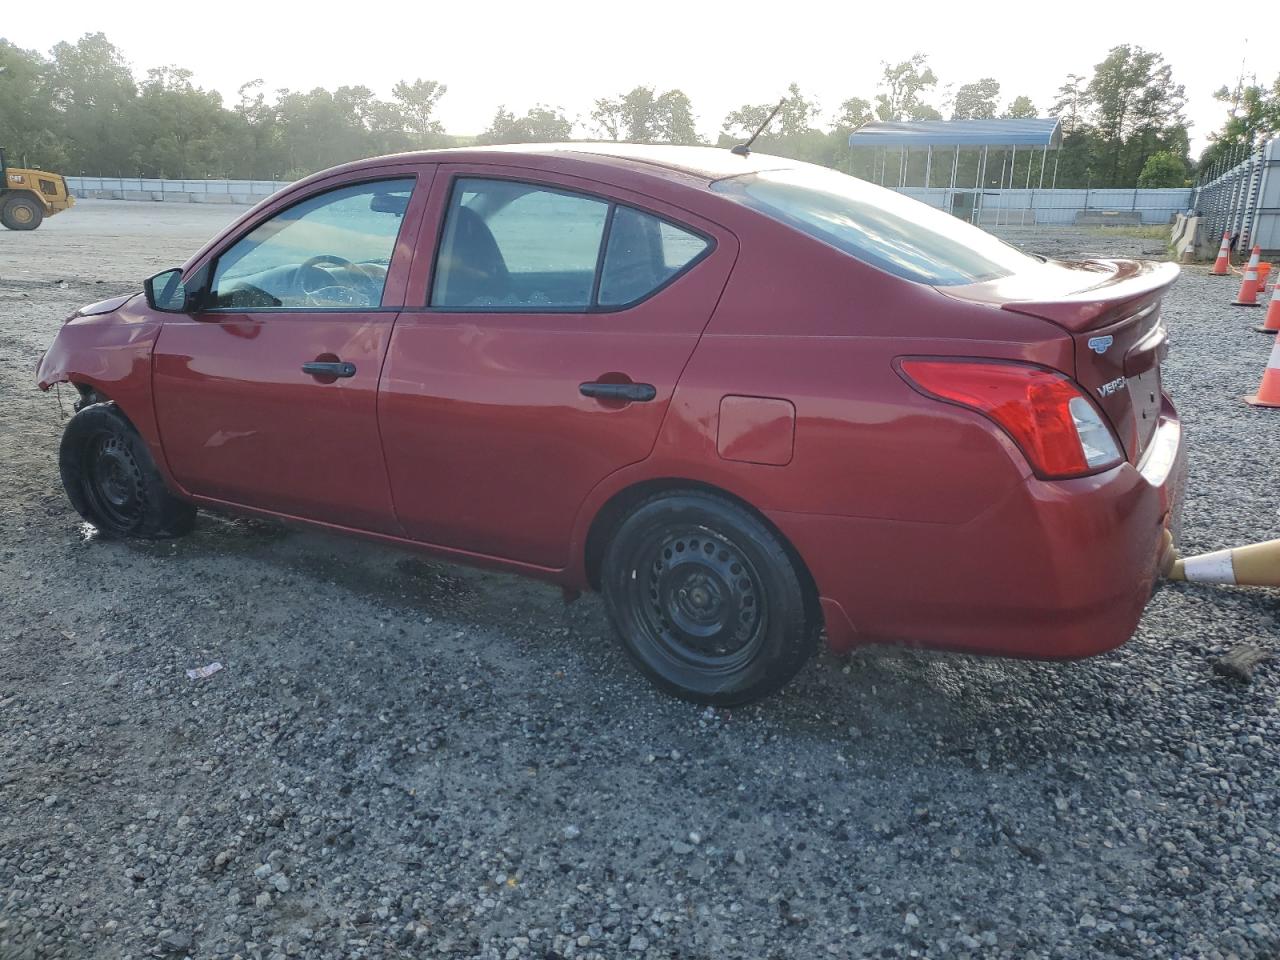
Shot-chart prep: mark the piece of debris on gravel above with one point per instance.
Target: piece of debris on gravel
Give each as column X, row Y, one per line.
column 1241, row 661
column 407, row 759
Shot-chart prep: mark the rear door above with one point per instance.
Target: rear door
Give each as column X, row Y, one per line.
column 548, row 320
column 267, row 397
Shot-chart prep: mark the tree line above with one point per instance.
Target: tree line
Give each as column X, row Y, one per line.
column 81, row 108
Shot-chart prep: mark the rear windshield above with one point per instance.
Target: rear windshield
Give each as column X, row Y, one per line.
column 885, row 229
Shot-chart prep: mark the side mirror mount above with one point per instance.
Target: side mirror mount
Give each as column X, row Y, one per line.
column 166, row 292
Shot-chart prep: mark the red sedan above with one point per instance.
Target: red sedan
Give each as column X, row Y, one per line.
column 747, row 399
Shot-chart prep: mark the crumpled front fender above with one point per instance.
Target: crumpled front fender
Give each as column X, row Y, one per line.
column 110, row 352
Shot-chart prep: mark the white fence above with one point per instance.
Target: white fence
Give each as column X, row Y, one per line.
column 1060, row 206
column 181, row 191
column 987, row 207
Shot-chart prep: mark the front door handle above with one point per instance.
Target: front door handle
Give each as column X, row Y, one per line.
column 324, row 368
column 626, row 392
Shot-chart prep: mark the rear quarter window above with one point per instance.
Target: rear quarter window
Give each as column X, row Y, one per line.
column 877, row 226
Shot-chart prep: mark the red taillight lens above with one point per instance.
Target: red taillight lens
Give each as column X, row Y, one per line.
column 1031, row 404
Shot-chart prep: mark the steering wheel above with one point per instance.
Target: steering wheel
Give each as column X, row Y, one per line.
column 312, row 267
column 360, row 287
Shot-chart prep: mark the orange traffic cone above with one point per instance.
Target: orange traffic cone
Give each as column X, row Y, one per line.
column 1268, row 394
column 1222, row 266
column 1248, row 295
column 1255, row 565
column 1264, row 271
column 1272, row 323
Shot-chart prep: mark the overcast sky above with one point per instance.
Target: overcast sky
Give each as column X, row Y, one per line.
column 722, row 55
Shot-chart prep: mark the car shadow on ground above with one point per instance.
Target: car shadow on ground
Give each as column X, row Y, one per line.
column 982, row 712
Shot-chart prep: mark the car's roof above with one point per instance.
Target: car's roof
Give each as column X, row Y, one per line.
column 704, row 163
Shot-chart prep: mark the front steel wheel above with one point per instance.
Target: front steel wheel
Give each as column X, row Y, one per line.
column 706, row 599
column 112, row 481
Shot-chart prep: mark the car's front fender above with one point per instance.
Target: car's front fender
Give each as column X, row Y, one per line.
column 110, row 353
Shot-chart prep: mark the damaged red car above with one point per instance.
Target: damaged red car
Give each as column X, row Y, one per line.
column 751, row 401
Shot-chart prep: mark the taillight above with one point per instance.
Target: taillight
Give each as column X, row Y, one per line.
column 1050, row 419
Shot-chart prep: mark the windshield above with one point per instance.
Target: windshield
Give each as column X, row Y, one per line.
column 885, row 229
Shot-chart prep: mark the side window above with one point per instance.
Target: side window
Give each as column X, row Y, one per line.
column 515, row 245
column 330, row 250
column 643, row 253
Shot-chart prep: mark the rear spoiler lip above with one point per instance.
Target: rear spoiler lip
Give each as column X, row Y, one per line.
column 1132, row 284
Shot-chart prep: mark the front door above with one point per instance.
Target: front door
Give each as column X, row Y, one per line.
column 267, row 397
column 540, row 346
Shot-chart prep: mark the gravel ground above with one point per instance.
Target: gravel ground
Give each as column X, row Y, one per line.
column 407, row 759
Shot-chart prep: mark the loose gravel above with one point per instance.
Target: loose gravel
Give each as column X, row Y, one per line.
column 401, row 758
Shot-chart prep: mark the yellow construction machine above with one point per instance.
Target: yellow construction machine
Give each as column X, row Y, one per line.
column 28, row 196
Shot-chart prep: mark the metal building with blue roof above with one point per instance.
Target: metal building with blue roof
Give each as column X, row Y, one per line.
column 1033, row 137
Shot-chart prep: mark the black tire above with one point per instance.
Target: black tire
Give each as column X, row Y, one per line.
column 707, row 600
column 21, row 212
column 112, row 481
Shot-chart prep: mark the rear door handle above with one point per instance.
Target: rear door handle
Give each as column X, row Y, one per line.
column 322, row 368
column 628, row 392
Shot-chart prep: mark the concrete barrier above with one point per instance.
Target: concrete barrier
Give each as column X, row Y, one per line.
column 241, row 192
column 1186, row 238
column 1109, row 218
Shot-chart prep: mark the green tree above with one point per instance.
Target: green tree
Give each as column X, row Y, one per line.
column 257, row 152
column 1136, row 110
column 746, row 120
column 320, row 128
column 854, row 113
column 540, row 124
column 418, row 101
column 1163, row 169
column 674, row 121
column 1254, row 112
column 1130, row 109
column 976, row 101
column 1075, row 160
column 187, row 131
column 1159, row 124
column 796, row 114
column 91, row 85
column 794, row 131
column 29, row 127
column 1020, row 108
column 1071, row 103
column 642, row 115
column 901, row 87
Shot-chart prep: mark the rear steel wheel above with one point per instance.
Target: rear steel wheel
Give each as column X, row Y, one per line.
column 698, row 596
column 706, row 599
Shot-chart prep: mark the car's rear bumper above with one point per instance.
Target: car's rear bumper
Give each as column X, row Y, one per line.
column 1056, row 569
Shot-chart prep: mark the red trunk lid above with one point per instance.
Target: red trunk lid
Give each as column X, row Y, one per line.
column 1111, row 309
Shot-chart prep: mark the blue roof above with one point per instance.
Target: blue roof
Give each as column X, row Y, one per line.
column 1028, row 132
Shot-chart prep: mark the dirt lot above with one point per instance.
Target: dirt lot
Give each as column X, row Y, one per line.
column 406, row 759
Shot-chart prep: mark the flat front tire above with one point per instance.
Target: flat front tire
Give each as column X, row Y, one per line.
column 112, row 481
column 706, row 599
